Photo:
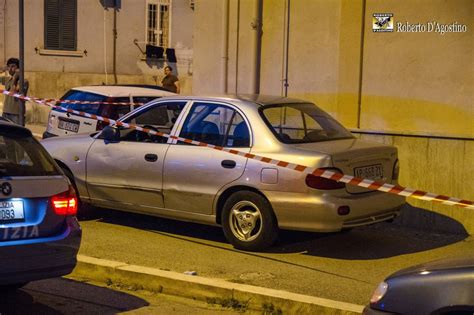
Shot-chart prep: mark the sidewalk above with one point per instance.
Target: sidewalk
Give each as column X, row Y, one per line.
column 213, row 291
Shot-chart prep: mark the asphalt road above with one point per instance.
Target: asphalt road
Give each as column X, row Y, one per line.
column 340, row 266
column 68, row 296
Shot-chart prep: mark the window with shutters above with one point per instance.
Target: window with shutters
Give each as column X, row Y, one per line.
column 158, row 22
column 60, row 24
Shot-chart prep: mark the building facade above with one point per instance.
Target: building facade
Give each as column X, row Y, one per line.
column 71, row 43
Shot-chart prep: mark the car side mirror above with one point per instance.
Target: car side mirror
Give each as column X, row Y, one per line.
column 110, row 135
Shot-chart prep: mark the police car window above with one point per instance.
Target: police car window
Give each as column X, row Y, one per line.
column 21, row 155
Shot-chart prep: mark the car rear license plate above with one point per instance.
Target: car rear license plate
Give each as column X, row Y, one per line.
column 11, row 210
column 69, row 125
column 369, row 172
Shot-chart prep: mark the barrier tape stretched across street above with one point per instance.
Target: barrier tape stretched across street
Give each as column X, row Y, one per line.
column 348, row 179
column 56, row 101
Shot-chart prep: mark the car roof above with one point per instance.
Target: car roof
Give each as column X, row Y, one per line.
column 257, row 99
column 124, row 90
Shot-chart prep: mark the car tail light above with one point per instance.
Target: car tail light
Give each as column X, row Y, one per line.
column 65, row 203
column 396, row 170
column 322, row 183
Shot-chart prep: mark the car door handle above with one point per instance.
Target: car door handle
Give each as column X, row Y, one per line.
column 150, row 157
column 228, row 164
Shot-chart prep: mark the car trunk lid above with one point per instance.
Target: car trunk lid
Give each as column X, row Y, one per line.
column 358, row 158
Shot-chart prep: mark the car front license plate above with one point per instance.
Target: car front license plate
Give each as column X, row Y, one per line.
column 369, row 172
column 11, row 210
column 68, row 125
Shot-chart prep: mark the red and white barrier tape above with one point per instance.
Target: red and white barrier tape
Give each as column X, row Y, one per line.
column 348, row 179
column 56, row 101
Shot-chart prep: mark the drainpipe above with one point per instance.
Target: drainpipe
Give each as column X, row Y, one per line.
column 287, row 47
column 236, row 87
column 361, row 64
column 115, row 46
column 225, row 46
column 4, row 31
column 257, row 26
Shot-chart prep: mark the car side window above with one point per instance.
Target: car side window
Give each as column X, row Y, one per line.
column 216, row 124
column 160, row 117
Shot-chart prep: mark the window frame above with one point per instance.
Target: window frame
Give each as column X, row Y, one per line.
column 158, row 29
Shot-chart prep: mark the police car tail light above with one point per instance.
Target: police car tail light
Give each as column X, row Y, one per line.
column 65, row 203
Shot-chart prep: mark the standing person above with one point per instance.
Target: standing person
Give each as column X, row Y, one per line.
column 170, row 81
column 13, row 108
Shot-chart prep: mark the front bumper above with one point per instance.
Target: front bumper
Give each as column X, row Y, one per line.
column 34, row 259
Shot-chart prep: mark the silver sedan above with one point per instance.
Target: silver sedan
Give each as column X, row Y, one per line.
column 131, row 170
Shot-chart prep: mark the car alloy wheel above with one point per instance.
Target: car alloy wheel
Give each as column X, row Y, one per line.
column 245, row 221
column 248, row 221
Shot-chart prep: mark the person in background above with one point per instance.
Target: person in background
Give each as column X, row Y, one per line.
column 13, row 108
column 170, row 82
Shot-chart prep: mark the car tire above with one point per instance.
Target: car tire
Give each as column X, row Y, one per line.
column 248, row 221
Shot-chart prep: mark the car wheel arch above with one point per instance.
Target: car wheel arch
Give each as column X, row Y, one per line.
column 228, row 192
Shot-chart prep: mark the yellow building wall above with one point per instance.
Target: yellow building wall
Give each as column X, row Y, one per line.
column 416, row 85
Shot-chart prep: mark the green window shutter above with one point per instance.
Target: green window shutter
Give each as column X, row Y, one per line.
column 60, row 26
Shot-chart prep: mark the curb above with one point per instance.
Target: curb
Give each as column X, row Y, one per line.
column 210, row 290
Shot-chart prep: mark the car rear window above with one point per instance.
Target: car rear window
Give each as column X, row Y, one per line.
column 21, row 155
column 302, row 123
column 74, row 95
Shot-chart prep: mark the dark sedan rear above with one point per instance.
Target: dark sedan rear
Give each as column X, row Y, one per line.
column 39, row 233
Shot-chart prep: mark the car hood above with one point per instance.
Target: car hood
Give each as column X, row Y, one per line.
column 438, row 265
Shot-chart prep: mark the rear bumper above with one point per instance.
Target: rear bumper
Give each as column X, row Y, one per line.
column 319, row 212
column 42, row 258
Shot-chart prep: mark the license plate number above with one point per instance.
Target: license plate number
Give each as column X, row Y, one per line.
column 369, row 172
column 68, row 125
column 11, row 211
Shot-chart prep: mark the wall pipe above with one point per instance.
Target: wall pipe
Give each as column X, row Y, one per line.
column 287, row 48
column 257, row 25
column 361, row 64
column 236, row 87
column 115, row 46
column 225, row 46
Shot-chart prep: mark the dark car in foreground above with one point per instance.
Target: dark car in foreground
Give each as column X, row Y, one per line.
column 439, row 287
column 39, row 233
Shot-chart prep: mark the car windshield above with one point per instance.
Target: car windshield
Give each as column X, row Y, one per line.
column 21, row 155
column 85, row 97
column 302, row 123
